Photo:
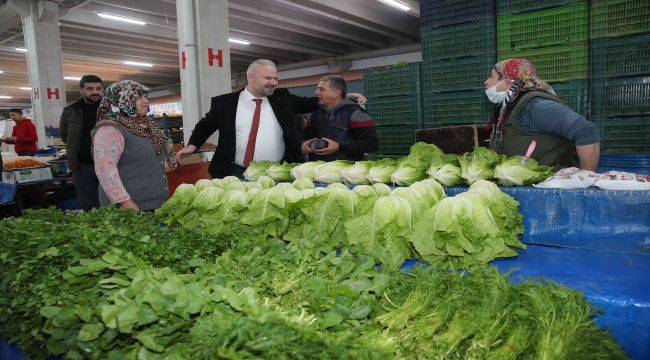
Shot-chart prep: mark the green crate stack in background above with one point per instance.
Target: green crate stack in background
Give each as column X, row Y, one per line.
column 456, row 58
column 554, row 36
column 394, row 104
column 619, row 54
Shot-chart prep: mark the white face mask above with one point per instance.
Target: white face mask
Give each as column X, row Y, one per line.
column 495, row 96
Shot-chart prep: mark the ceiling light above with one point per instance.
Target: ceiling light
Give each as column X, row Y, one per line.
column 25, row 88
column 397, row 4
column 5, row 97
column 136, row 63
column 21, row 49
column 239, row 41
column 2, row 72
column 72, row 78
column 121, row 18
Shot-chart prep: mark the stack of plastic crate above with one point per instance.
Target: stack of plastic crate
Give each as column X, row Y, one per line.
column 394, row 104
column 458, row 51
column 553, row 35
column 620, row 74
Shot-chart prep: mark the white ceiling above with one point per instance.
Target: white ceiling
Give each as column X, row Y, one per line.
column 286, row 31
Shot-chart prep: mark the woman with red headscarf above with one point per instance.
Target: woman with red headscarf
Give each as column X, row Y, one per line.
column 528, row 109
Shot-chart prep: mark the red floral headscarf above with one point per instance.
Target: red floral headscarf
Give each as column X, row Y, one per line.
column 525, row 78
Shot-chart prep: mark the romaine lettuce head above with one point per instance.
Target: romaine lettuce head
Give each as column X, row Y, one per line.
column 208, row 199
column 406, row 174
column 256, row 169
column 331, row 172
column 423, row 152
column 265, row 182
column 306, row 170
column 202, row 184
column 366, row 197
column 357, row 174
column 478, row 164
column 303, row 183
column 510, row 172
column 280, row 172
column 381, row 171
column 382, row 189
column 446, row 170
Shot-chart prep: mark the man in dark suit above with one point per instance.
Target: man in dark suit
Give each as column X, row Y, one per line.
column 255, row 124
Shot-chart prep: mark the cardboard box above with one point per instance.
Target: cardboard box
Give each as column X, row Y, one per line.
column 191, row 159
column 455, row 139
column 26, row 175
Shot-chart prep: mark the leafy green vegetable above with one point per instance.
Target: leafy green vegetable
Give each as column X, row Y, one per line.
column 478, row 164
column 331, row 172
column 265, row 182
column 381, row 171
column 510, row 172
column 357, row 174
column 446, row 170
column 303, row 183
column 256, row 169
column 305, row 170
column 282, row 273
column 280, row 172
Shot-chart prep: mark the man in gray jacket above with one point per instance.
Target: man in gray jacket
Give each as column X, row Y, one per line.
column 77, row 120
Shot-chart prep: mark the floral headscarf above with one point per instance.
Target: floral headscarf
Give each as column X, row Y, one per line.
column 118, row 107
column 525, row 78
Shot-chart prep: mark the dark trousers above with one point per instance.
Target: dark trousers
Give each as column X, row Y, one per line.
column 238, row 171
column 87, row 186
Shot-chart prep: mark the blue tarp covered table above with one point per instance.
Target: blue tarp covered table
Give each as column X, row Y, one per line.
column 611, row 220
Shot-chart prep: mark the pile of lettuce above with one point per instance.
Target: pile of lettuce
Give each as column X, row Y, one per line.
column 423, row 161
column 112, row 284
column 417, row 221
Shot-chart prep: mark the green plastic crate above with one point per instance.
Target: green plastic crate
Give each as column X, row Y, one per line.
column 458, row 41
column 395, row 110
column 396, row 80
column 457, row 108
column 624, row 135
column 620, row 97
column 556, row 63
column 456, row 75
column 395, row 140
column 522, row 6
column 575, row 94
column 553, row 27
column 616, row 57
column 619, row 17
column 383, row 156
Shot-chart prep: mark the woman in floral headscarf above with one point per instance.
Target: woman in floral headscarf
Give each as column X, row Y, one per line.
column 130, row 151
column 528, row 109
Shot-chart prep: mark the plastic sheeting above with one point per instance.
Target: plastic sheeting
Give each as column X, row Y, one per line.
column 616, row 283
column 7, row 192
column 613, row 220
column 635, row 163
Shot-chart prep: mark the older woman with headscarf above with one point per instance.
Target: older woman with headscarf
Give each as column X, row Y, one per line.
column 528, row 109
column 130, row 151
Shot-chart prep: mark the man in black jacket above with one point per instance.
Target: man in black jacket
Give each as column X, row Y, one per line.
column 346, row 128
column 77, row 120
column 255, row 124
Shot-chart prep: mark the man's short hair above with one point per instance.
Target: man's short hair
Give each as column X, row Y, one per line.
column 90, row 79
column 258, row 62
column 336, row 82
column 17, row 111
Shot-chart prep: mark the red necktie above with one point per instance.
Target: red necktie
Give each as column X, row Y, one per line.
column 250, row 147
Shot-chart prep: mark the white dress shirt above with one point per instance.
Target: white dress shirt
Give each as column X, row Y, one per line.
column 269, row 144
